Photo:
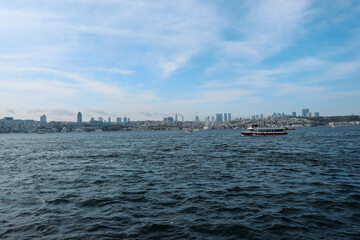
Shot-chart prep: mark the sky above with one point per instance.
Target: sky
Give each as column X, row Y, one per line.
column 151, row 59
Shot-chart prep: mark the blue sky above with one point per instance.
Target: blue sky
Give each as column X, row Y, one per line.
column 152, row 59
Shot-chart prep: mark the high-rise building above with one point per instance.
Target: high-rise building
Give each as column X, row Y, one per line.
column 197, row 119
column 316, row 114
column 176, row 117
column 294, row 114
column 182, row 118
column 219, row 117
column 305, row 112
column 43, row 119
column 229, row 116
column 118, row 120
column 100, row 119
column 212, row 119
column 109, row 120
column 207, row 120
column 261, row 116
column 225, row 117
column 79, row 119
column 125, row 119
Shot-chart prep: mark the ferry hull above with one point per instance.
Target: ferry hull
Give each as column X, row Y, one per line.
column 262, row 133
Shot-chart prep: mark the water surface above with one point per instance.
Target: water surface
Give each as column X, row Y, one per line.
column 212, row 184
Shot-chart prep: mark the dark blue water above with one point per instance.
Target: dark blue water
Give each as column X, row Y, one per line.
column 172, row 185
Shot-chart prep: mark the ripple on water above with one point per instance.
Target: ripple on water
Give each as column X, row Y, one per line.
column 170, row 185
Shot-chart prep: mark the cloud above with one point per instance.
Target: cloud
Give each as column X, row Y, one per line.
column 40, row 88
column 146, row 114
column 97, row 111
column 216, row 96
column 113, row 70
column 268, row 29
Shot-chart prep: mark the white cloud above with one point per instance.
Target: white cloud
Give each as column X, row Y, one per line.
column 269, row 28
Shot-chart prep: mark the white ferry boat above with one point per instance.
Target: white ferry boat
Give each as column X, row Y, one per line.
column 255, row 130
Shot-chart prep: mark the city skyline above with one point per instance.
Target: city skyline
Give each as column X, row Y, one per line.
column 154, row 59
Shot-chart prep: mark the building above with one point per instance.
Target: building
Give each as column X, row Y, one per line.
column 197, row 119
column 207, row 120
column 109, row 119
column 100, row 119
column 294, row 114
column 79, row 119
column 43, row 119
column 118, row 120
column 229, row 116
column 219, row 117
column 125, row 119
column 225, row 117
column 176, row 117
column 316, row 114
column 305, row 112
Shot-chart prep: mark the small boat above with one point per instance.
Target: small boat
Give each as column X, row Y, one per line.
column 255, row 130
column 290, row 128
column 187, row 130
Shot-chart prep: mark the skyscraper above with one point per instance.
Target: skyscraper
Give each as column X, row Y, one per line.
column 316, row 114
column 197, row 119
column 176, row 118
column 79, row 119
column 229, row 116
column 118, row 120
column 294, row 114
column 125, row 119
column 43, row 119
column 109, row 120
column 225, row 117
column 305, row 112
column 100, row 119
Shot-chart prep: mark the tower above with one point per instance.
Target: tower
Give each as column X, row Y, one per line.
column 79, row 119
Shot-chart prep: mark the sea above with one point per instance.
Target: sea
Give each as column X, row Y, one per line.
column 213, row 184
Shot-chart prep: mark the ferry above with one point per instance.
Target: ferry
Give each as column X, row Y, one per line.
column 255, row 130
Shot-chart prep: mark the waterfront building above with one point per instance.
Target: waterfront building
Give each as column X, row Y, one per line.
column 79, row 119
column 229, row 116
column 125, row 119
column 118, row 120
column 225, row 117
column 43, row 119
